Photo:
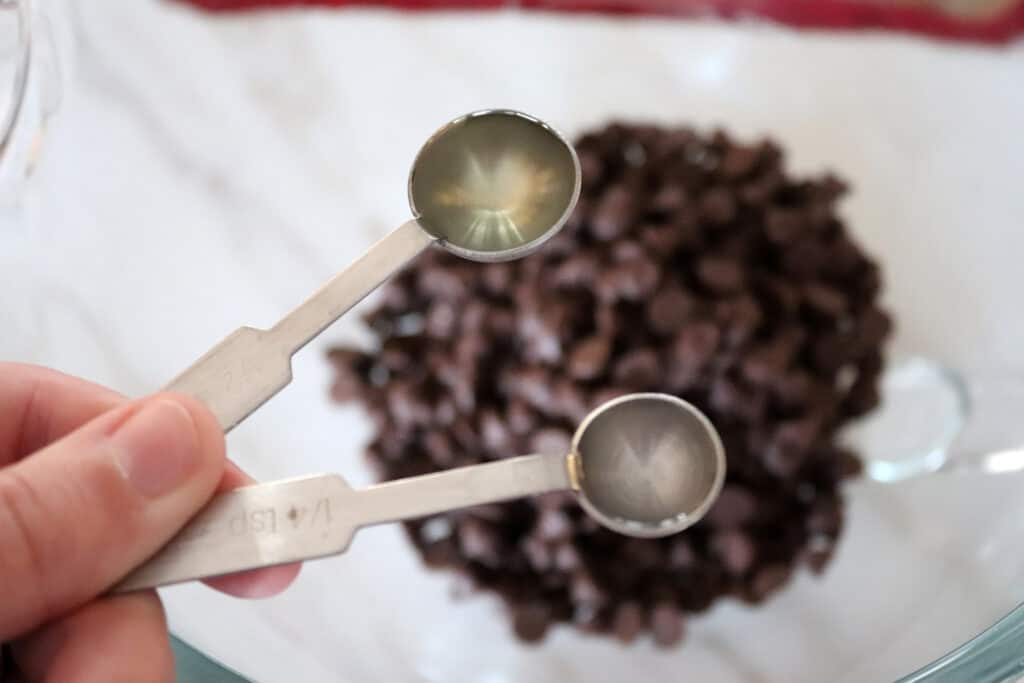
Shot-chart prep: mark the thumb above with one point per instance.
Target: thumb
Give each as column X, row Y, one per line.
column 82, row 512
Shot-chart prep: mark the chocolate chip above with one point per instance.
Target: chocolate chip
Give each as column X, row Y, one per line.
column 439, row 447
column 783, row 459
column 740, row 317
column 783, row 226
column 805, row 259
column 520, row 418
column 553, row 525
column 767, row 580
column 606, row 394
column 799, row 434
column 591, row 166
column 568, row 401
column 637, row 369
column 501, row 323
column 613, row 213
column 669, row 199
column 681, row 554
column 834, row 350
column 735, row 550
column 479, row 541
column 628, row 621
column 825, row 517
column 498, row 278
column 669, row 309
column 874, row 325
column 863, row 397
column 441, row 320
column 824, row 300
column 578, row 270
column 551, row 440
column 718, row 206
column 407, row 407
column 440, row 554
column 820, row 548
column 465, row 435
column 624, row 250
column 730, row 398
column 494, row 433
column 667, row 624
column 589, row 357
column 346, row 387
column 720, row 275
column 630, row 281
column 696, row 344
column 531, row 385
column 531, row 621
column 767, row 363
column 441, row 283
column 555, row 500
column 538, row 553
column 584, row 590
column 663, row 240
column 567, row 558
column 738, row 161
column 541, row 331
column 350, row 368
column 734, row 507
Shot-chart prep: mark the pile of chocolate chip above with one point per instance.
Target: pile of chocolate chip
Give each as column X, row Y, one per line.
column 693, row 265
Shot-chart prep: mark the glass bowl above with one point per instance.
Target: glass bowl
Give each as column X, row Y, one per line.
column 272, row 151
column 30, row 93
column 925, row 564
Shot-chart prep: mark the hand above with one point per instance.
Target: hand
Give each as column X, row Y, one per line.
column 92, row 484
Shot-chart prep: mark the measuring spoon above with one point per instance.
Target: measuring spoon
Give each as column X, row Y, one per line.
column 645, row 465
column 490, row 186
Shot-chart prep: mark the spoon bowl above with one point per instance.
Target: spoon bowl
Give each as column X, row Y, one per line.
column 494, row 185
column 647, row 465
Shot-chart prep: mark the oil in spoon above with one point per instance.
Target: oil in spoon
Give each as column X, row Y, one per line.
column 493, row 182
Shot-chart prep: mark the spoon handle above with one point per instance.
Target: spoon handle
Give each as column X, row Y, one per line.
column 303, row 519
column 351, row 285
column 427, row 494
column 243, row 371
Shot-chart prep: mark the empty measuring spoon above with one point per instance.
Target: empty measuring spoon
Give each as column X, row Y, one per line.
column 490, row 186
column 644, row 465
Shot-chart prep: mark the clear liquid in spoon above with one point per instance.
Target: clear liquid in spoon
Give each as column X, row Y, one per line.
column 493, row 181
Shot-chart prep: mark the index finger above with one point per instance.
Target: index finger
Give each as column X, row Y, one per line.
column 39, row 406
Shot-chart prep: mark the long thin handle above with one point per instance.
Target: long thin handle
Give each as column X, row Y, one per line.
column 351, row 285
column 428, row 494
column 243, row 371
column 303, row 519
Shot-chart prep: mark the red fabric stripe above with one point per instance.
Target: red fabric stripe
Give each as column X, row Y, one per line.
column 831, row 14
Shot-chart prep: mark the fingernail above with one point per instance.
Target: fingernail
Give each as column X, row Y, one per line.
column 158, row 447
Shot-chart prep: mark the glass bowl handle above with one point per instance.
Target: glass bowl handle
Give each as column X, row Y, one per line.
column 935, row 419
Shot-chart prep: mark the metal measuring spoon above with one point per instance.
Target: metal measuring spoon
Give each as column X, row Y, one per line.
column 490, row 186
column 644, row 465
